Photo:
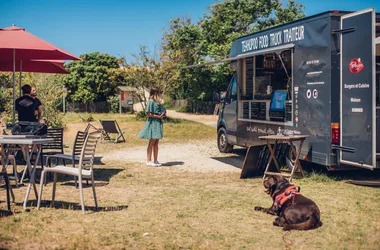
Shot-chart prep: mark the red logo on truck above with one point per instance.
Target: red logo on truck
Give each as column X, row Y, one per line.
column 356, row 65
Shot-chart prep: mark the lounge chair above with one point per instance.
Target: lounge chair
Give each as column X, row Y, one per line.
column 111, row 127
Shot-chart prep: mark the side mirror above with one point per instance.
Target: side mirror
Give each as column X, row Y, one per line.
column 216, row 97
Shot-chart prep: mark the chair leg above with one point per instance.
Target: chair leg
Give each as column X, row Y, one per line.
column 23, row 174
column 13, row 161
column 7, row 184
column 54, row 188
column 48, row 163
column 93, row 190
column 81, row 194
column 75, row 178
column 41, row 186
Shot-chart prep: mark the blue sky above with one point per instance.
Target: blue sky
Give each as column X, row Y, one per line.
column 118, row 27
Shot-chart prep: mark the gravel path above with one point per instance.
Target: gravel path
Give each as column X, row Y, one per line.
column 197, row 156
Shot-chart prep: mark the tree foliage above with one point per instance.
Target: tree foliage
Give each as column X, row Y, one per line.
column 146, row 71
column 91, row 79
column 211, row 39
column 5, row 94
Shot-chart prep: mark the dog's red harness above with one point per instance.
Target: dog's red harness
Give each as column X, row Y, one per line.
column 289, row 193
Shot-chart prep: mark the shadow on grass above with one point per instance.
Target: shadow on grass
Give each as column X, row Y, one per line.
column 74, row 206
column 85, row 184
column 172, row 163
column 313, row 172
column 98, row 161
column 100, row 174
column 319, row 173
column 5, row 213
column 235, row 160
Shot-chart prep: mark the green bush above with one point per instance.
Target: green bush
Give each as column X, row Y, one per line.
column 141, row 115
column 114, row 103
column 5, row 105
column 188, row 108
column 90, row 118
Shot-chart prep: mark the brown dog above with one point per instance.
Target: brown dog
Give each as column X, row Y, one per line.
column 294, row 210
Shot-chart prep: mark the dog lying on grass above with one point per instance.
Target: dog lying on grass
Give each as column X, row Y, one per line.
column 294, row 210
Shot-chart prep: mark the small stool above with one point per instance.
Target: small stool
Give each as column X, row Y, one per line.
column 295, row 165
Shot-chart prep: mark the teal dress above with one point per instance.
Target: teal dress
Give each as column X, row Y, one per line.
column 153, row 126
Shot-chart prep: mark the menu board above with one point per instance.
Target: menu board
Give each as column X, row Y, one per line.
column 246, row 110
column 249, row 76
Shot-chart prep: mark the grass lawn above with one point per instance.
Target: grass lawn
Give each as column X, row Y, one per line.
column 162, row 208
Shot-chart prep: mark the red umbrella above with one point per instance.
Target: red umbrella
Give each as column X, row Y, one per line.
column 28, row 47
column 16, row 44
column 39, row 66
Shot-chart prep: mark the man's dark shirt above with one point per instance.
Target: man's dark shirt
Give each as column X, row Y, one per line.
column 39, row 103
column 26, row 106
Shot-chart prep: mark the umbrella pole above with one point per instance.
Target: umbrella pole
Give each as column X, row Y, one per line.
column 20, row 77
column 14, row 84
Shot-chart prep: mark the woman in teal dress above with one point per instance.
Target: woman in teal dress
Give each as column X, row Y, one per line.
column 152, row 130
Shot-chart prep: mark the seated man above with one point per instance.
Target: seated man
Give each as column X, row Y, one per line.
column 38, row 112
column 26, row 105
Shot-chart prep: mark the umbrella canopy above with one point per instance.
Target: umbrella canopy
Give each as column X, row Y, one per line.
column 28, row 47
column 18, row 45
column 38, row 66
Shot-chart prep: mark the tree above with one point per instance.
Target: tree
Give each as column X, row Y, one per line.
column 91, row 79
column 211, row 39
column 231, row 19
column 183, row 43
column 5, row 95
column 147, row 71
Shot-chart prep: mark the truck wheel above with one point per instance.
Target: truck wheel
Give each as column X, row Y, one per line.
column 223, row 145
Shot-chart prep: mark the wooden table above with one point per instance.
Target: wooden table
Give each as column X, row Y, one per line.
column 294, row 164
column 24, row 143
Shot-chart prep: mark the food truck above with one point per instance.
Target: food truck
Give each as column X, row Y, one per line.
column 317, row 76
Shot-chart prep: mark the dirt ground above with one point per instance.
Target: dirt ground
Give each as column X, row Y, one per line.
column 195, row 201
column 196, row 156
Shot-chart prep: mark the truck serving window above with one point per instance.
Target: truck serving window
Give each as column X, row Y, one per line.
column 262, row 77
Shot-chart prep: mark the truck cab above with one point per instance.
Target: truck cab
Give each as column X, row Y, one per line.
column 227, row 119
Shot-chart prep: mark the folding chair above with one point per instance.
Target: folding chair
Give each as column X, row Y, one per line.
column 90, row 126
column 111, row 127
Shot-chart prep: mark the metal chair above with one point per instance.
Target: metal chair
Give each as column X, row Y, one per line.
column 55, row 147
column 4, row 174
column 74, row 156
column 111, row 127
column 11, row 159
column 84, row 171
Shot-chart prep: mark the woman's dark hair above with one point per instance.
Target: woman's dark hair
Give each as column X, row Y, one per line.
column 154, row 91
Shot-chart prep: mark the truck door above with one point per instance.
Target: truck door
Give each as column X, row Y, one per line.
column 230, row 111
column 357, row 99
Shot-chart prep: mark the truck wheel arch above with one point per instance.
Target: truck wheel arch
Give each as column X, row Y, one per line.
column 223, row 145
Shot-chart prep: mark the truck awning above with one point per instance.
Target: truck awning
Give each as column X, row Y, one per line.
column 240, row 56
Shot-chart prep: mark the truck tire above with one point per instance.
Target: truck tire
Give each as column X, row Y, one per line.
column 223, row 145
